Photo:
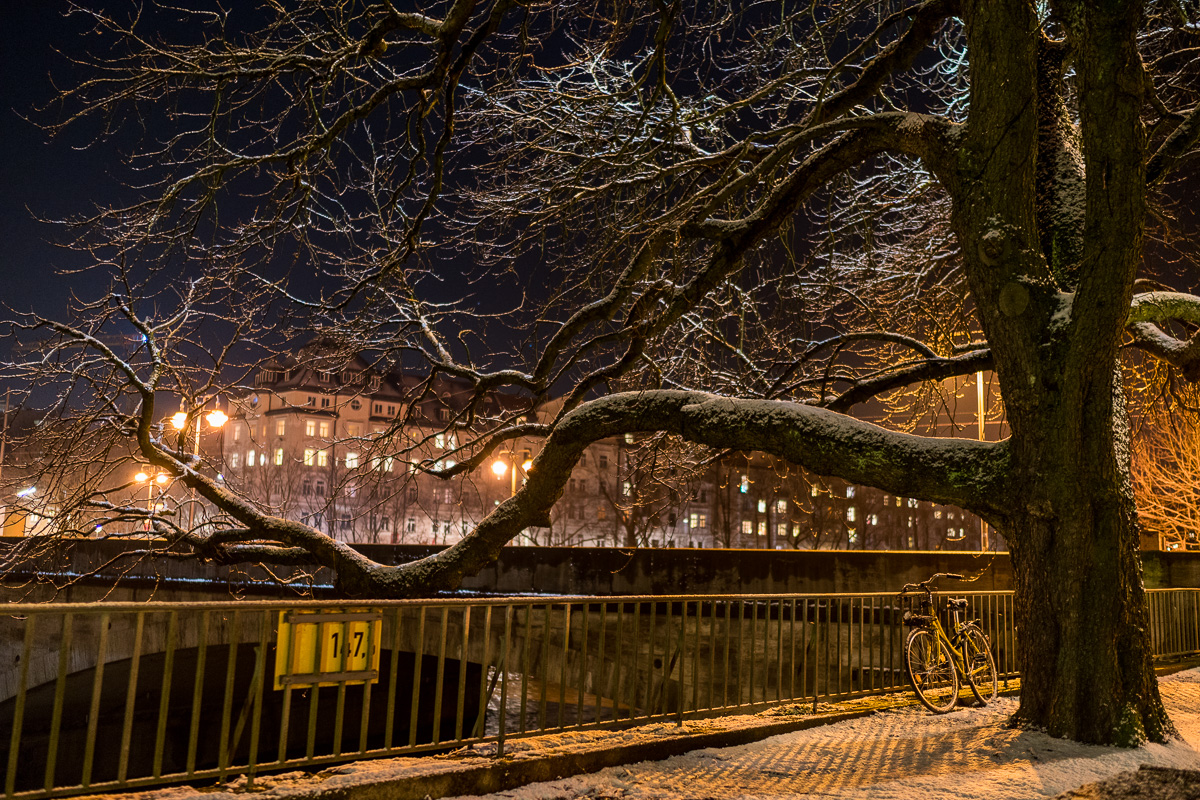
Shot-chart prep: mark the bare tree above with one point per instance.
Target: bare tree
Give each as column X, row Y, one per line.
column 727, row 227
column 1166, row 481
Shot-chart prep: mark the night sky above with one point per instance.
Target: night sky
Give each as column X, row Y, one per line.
column 39, row 176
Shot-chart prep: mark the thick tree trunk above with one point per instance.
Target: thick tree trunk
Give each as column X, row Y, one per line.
column 1081, row 609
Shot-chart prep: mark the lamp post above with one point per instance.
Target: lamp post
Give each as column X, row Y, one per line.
column 161, row 479
column 500, row 468
column 181, row 419
column 980, row 412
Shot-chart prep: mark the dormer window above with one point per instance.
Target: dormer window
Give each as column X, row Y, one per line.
column 444, row 414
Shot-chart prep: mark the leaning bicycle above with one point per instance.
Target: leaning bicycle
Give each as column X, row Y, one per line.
column 934, row 660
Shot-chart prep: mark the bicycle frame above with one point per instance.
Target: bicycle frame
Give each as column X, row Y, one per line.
column 957, row 653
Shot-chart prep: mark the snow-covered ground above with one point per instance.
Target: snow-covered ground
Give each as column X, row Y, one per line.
column 900, row 753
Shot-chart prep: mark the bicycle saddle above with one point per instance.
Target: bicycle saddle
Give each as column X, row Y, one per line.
column 956, row 602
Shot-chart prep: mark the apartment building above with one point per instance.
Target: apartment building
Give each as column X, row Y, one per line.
column 357, row 453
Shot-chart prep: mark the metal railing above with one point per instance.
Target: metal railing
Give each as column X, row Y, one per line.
column 113, row 696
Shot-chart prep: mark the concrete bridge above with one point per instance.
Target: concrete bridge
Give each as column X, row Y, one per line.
column 179, row 687
column 129, row 689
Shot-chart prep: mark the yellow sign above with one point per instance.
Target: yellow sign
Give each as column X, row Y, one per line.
column 327, row 648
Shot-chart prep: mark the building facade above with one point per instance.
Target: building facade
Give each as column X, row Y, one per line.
column 362, row 456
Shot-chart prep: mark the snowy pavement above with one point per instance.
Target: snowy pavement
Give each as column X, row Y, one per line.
column 897, row 753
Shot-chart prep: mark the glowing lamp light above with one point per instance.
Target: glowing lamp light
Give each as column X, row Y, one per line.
column 161, row 477
column 217, row 418
column 527, row 466
column 499, row 468
column 141, row 477
column 179, row 419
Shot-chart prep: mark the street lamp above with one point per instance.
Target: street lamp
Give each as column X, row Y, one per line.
column 161, row 479
column 500, row 468
column 215, row 418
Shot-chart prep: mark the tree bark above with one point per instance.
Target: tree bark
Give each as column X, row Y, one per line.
column 1085, row 658
column 1054, row 288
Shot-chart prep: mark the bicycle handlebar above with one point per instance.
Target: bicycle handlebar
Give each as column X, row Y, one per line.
column 925, row 584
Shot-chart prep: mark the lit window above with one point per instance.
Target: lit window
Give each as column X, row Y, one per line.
column 703, row 522
column 354, row 429
column 937, row 514
column 898, row 502
column 852, row 535
column 322, row 458
column 351, row 460
column 324, row 428
column 439, row 441
column 911, row 542
column 389, row 464
column 851, row 514
column 873, row 519
column 280, row 426
column 249, row 458
column 849, row 492
column 310, row 427
column 237, row 433
column 813, row 490
column 629, row 438
column 233, row 459
column 781, row 506
column 744, row 486
column 762, row 528
column 762, row 506
column 913, row 502
column 279, row 456
column 781, row 530
column 309, row 456
column 747, row 527
column 626, row 489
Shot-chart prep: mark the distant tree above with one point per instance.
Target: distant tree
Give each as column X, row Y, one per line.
column 749, row 220
column 1166, row 481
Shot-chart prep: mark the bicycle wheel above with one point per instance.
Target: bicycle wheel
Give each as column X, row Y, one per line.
column 931, row 671
column 981, row 666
